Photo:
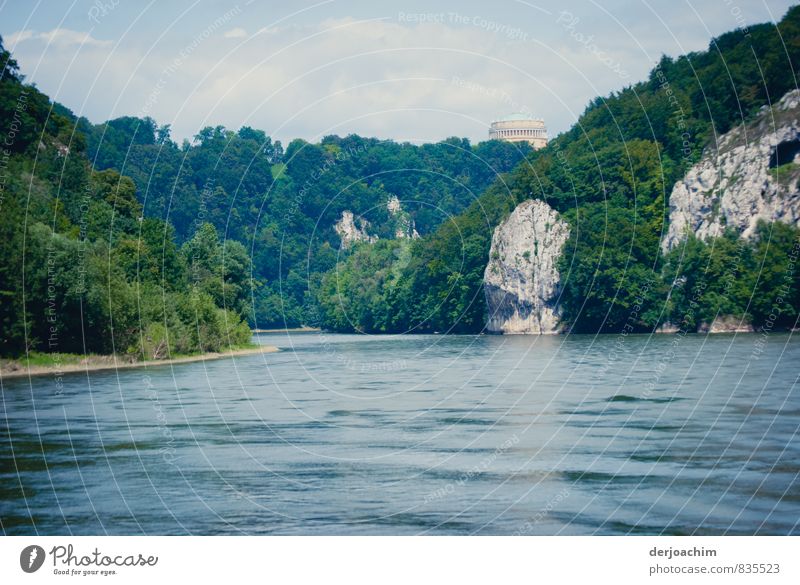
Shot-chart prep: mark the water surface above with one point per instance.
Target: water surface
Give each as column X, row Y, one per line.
column 349, row 434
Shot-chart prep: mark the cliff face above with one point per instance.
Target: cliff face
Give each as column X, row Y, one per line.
column 753, row 174
column 351, row 228
column 350, row 232
column 521, row 281
column 403, row 223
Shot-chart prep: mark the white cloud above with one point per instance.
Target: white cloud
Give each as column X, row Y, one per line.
column 19, row 36
column 418, row 81
column 57, row 36
column 235, row 33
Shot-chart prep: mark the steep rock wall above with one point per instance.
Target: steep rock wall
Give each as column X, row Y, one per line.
column 751, row 175
column 521, row 281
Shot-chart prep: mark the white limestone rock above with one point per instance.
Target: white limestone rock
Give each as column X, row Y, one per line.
column 352, row 229
column 404, row 226
column 521, row 281
column 734, row 186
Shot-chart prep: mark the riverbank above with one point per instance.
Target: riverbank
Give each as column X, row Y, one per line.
column 290, row 330
column 58, row 364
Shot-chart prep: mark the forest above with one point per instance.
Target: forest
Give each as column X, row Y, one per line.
column 610, row 177
column 117, row 239
column 82, row 269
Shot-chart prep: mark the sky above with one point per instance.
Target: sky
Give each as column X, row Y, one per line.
column 417, row 71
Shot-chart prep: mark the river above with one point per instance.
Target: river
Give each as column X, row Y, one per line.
column 416, row 434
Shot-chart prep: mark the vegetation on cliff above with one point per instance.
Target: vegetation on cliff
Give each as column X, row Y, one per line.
column 610, row 177
column 82, row 270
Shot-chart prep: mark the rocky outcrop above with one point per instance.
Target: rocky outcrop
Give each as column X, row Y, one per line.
column 521, row 281
column 751, row 175
column 352, row 229
column 727, row 324
column 403, row 223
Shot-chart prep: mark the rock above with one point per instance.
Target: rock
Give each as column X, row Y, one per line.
column 352, row 229
column 521, row 281
column 727, row 324
column 737, row 184
column 403, row 223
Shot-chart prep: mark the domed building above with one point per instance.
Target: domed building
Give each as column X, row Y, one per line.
column 520, row 128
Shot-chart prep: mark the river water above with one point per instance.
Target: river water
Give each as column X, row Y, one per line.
column 351, row 434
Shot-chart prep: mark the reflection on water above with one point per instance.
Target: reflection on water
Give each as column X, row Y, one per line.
column 347, row 434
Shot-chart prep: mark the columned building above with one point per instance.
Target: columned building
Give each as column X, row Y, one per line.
column 520, row 128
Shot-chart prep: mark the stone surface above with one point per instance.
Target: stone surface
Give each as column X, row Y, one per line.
column 521, row 281
column 352, row 229
column 404, row 226
column 727, row 324
column 734, row 186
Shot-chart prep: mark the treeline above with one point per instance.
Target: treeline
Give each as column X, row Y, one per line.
column 82, row 269
column 134, row 243
column 283, row 205
column 610, row 177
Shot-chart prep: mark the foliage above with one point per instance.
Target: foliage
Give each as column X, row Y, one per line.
column 82, row 270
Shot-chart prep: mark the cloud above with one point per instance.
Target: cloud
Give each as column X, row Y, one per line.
column 18, row 37
column 235, row 33
column 386, row 77
column 57, row 36
column 377, row 77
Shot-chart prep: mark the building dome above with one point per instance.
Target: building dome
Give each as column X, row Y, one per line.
column 520, row 128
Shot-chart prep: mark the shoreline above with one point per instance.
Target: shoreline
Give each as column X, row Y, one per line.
column 289, row 330
column 95, row 363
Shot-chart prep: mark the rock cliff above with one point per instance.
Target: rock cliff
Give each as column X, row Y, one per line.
column 752, row 174
column 404, row 226
column 352, row 229
column 521, row 281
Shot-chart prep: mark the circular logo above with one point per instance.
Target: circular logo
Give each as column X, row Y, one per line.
column 31, row 558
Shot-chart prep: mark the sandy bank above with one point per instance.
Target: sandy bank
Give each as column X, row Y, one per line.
column 290, row 330
column 91, row 363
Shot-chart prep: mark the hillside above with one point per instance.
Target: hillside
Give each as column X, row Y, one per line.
column 82, row 270
column 284, row 206
column 610, row 177
column 360, row 234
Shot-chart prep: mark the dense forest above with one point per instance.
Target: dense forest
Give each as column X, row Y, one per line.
column 82, row 270
column 282, row 206
column 118, row 239
column 610, row 177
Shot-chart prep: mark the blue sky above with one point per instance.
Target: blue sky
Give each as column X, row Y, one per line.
column 417, row 71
